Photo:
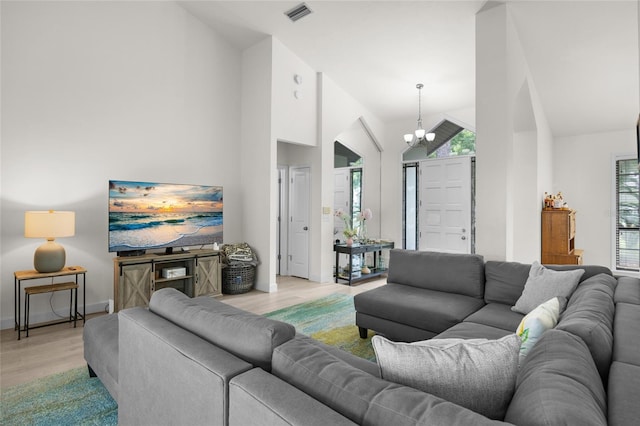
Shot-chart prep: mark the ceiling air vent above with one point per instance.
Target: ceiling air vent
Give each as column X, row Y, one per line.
column 298, row 12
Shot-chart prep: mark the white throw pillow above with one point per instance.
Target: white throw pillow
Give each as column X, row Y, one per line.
column 478, row 374
column 544, row 284
column 535, row 323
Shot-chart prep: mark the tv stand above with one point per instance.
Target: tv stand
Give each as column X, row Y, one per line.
column 135, row 278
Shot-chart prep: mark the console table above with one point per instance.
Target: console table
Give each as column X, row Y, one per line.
column 360, row 249
column 72, row 286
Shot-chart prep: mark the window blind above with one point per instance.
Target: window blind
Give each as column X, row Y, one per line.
column 627, row 215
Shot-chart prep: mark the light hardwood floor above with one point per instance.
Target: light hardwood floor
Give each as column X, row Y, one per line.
column 58, row 348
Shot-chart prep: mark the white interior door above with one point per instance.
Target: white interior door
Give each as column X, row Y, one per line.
column 445, row 205
column 299, row 221
column 341, row 199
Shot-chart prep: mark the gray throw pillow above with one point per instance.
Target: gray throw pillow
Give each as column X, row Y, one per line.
column 478, row 374
column 544, row 284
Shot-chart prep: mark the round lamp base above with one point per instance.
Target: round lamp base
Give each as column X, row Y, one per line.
column 49, row 257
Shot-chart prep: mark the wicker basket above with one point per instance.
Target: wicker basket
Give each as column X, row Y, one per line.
column 238, row 279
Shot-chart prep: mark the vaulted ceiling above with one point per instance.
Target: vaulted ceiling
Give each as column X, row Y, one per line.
column 583, row 55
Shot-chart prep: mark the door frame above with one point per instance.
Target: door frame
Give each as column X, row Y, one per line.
column 282, row 232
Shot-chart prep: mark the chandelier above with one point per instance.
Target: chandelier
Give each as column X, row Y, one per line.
column 420, row 136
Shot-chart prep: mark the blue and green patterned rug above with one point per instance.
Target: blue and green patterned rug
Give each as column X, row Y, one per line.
column 69, row 398
column 330, row 320
column 73, row 398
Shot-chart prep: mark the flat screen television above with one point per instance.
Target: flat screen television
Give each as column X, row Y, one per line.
column 151, row 215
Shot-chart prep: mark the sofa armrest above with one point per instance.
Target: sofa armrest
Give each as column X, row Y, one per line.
column 259, row 398
column 168, row 375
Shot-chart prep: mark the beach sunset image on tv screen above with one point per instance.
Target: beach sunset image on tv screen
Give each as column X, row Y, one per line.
column 147, row 215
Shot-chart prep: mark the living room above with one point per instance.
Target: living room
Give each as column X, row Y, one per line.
column 94, row 91
column 97, row 91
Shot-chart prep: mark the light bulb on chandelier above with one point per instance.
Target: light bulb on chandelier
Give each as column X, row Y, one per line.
column 420, row 134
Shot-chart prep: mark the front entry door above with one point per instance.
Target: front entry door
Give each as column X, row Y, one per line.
column 445, row 205
column 299, row 222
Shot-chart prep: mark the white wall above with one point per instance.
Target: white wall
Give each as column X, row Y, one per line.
column 584, row 171
column 258, row 171
column 93, row 91
column 512, row 143
column 294, row 106
column 338, row 112
column 270, row 113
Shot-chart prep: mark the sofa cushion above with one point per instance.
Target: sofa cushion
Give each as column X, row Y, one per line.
column 544, row 284
column 624, row 382
column 355, row 361
column 479, row 374
column 626, row 329
column 472, row 330
column 361, row 397
column 589, row 315
column 433, row 271
column 505, row 280
column 536, row 323
column 496, row 315
column 257, row 397
column 248, row 336
column 100, row 336
column 430, row 310
column 628, row 290
column 558, row 384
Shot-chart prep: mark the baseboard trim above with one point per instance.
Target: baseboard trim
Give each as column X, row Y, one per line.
column 36, row 318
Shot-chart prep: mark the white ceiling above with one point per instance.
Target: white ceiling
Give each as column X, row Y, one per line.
column 583, row 55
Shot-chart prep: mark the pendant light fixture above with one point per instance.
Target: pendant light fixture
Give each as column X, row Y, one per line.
column 420, row 136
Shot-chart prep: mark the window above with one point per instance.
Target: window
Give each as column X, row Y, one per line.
column 410, row 206
column 627, row 224
column 463, row 143
column 356, row 194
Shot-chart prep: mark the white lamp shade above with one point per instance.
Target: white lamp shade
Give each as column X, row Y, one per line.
column 408, row 137
column 431, row 137
column 420, row 133
column 49, row 224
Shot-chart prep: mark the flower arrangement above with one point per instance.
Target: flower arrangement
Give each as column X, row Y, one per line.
column 349, row 231
column 365, row 215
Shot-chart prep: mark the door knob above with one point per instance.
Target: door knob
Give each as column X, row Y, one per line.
column 463, row 237
column 306, row 228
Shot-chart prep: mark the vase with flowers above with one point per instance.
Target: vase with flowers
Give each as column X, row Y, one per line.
column 349, row 232
column 365, row 215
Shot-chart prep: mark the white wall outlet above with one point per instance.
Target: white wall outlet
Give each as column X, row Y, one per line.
column 110, row 306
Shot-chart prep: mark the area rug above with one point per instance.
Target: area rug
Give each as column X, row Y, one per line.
column 68, row 398
column 330, row 320
column 73, row 398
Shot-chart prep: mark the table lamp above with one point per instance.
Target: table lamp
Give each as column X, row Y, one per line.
column 50, row 256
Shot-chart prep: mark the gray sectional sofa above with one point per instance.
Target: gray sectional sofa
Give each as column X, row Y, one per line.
column 200, row 361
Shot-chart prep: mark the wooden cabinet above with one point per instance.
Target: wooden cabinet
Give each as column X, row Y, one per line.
column 558, row 238
column 208, row 280
column 137, row 277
